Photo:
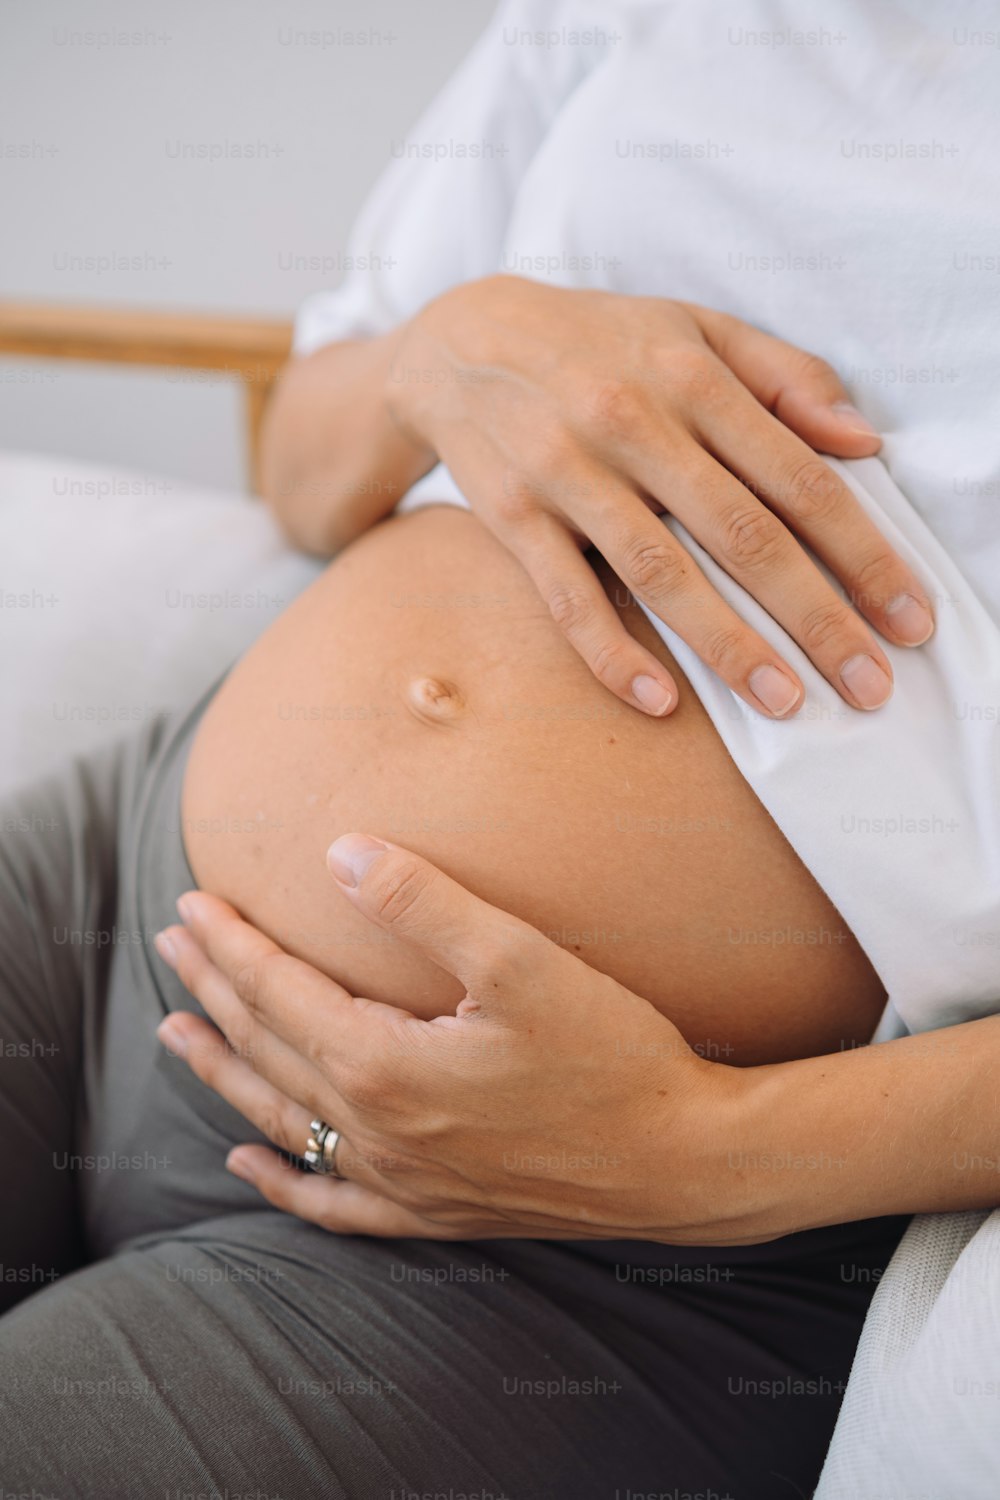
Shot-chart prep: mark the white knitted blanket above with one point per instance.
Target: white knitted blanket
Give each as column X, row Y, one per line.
column 921, row 1416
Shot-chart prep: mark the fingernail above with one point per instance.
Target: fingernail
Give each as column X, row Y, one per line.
column 349, row 857
column 910, row 620
column 866, row 681
column 850, row 415
column 164, row 946
column 184, row 909
column 172, row 1038
column 651, row 695
column 776, row 692
column 240, row 1168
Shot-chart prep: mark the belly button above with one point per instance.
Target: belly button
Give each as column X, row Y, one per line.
column 435, row 701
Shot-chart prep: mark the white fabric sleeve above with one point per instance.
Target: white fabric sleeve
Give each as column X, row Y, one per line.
column 438, row 214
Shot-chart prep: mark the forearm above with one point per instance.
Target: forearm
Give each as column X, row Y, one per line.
column 907, row 1126
column 334, row 460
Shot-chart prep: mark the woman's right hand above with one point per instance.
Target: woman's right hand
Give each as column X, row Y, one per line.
column 573, row 418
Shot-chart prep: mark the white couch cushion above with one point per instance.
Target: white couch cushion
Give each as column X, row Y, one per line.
column 121, row 594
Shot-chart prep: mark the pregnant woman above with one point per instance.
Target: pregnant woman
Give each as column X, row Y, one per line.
column 617, row 1172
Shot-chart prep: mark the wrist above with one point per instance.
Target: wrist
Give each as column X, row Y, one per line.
column 409, row 378
column 907, row 1126
column 701, row 1191
column 450, row 343
column 792, row 1149
column 772, row 1171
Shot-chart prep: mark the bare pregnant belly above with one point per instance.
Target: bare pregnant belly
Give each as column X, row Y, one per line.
column 420, row 691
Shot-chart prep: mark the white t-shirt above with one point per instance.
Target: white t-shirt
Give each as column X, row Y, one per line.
column 831, row 174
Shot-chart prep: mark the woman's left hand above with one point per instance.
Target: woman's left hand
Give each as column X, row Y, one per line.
column 554, row 1104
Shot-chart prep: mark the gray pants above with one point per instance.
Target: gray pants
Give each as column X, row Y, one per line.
column 164, row 1332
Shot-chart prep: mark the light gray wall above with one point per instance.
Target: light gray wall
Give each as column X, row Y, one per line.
column 94, row 98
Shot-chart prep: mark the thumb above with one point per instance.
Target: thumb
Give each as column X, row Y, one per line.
column 802, row 390
column 417, row 902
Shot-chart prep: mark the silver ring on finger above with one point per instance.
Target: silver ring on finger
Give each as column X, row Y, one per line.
column 320, row 1154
